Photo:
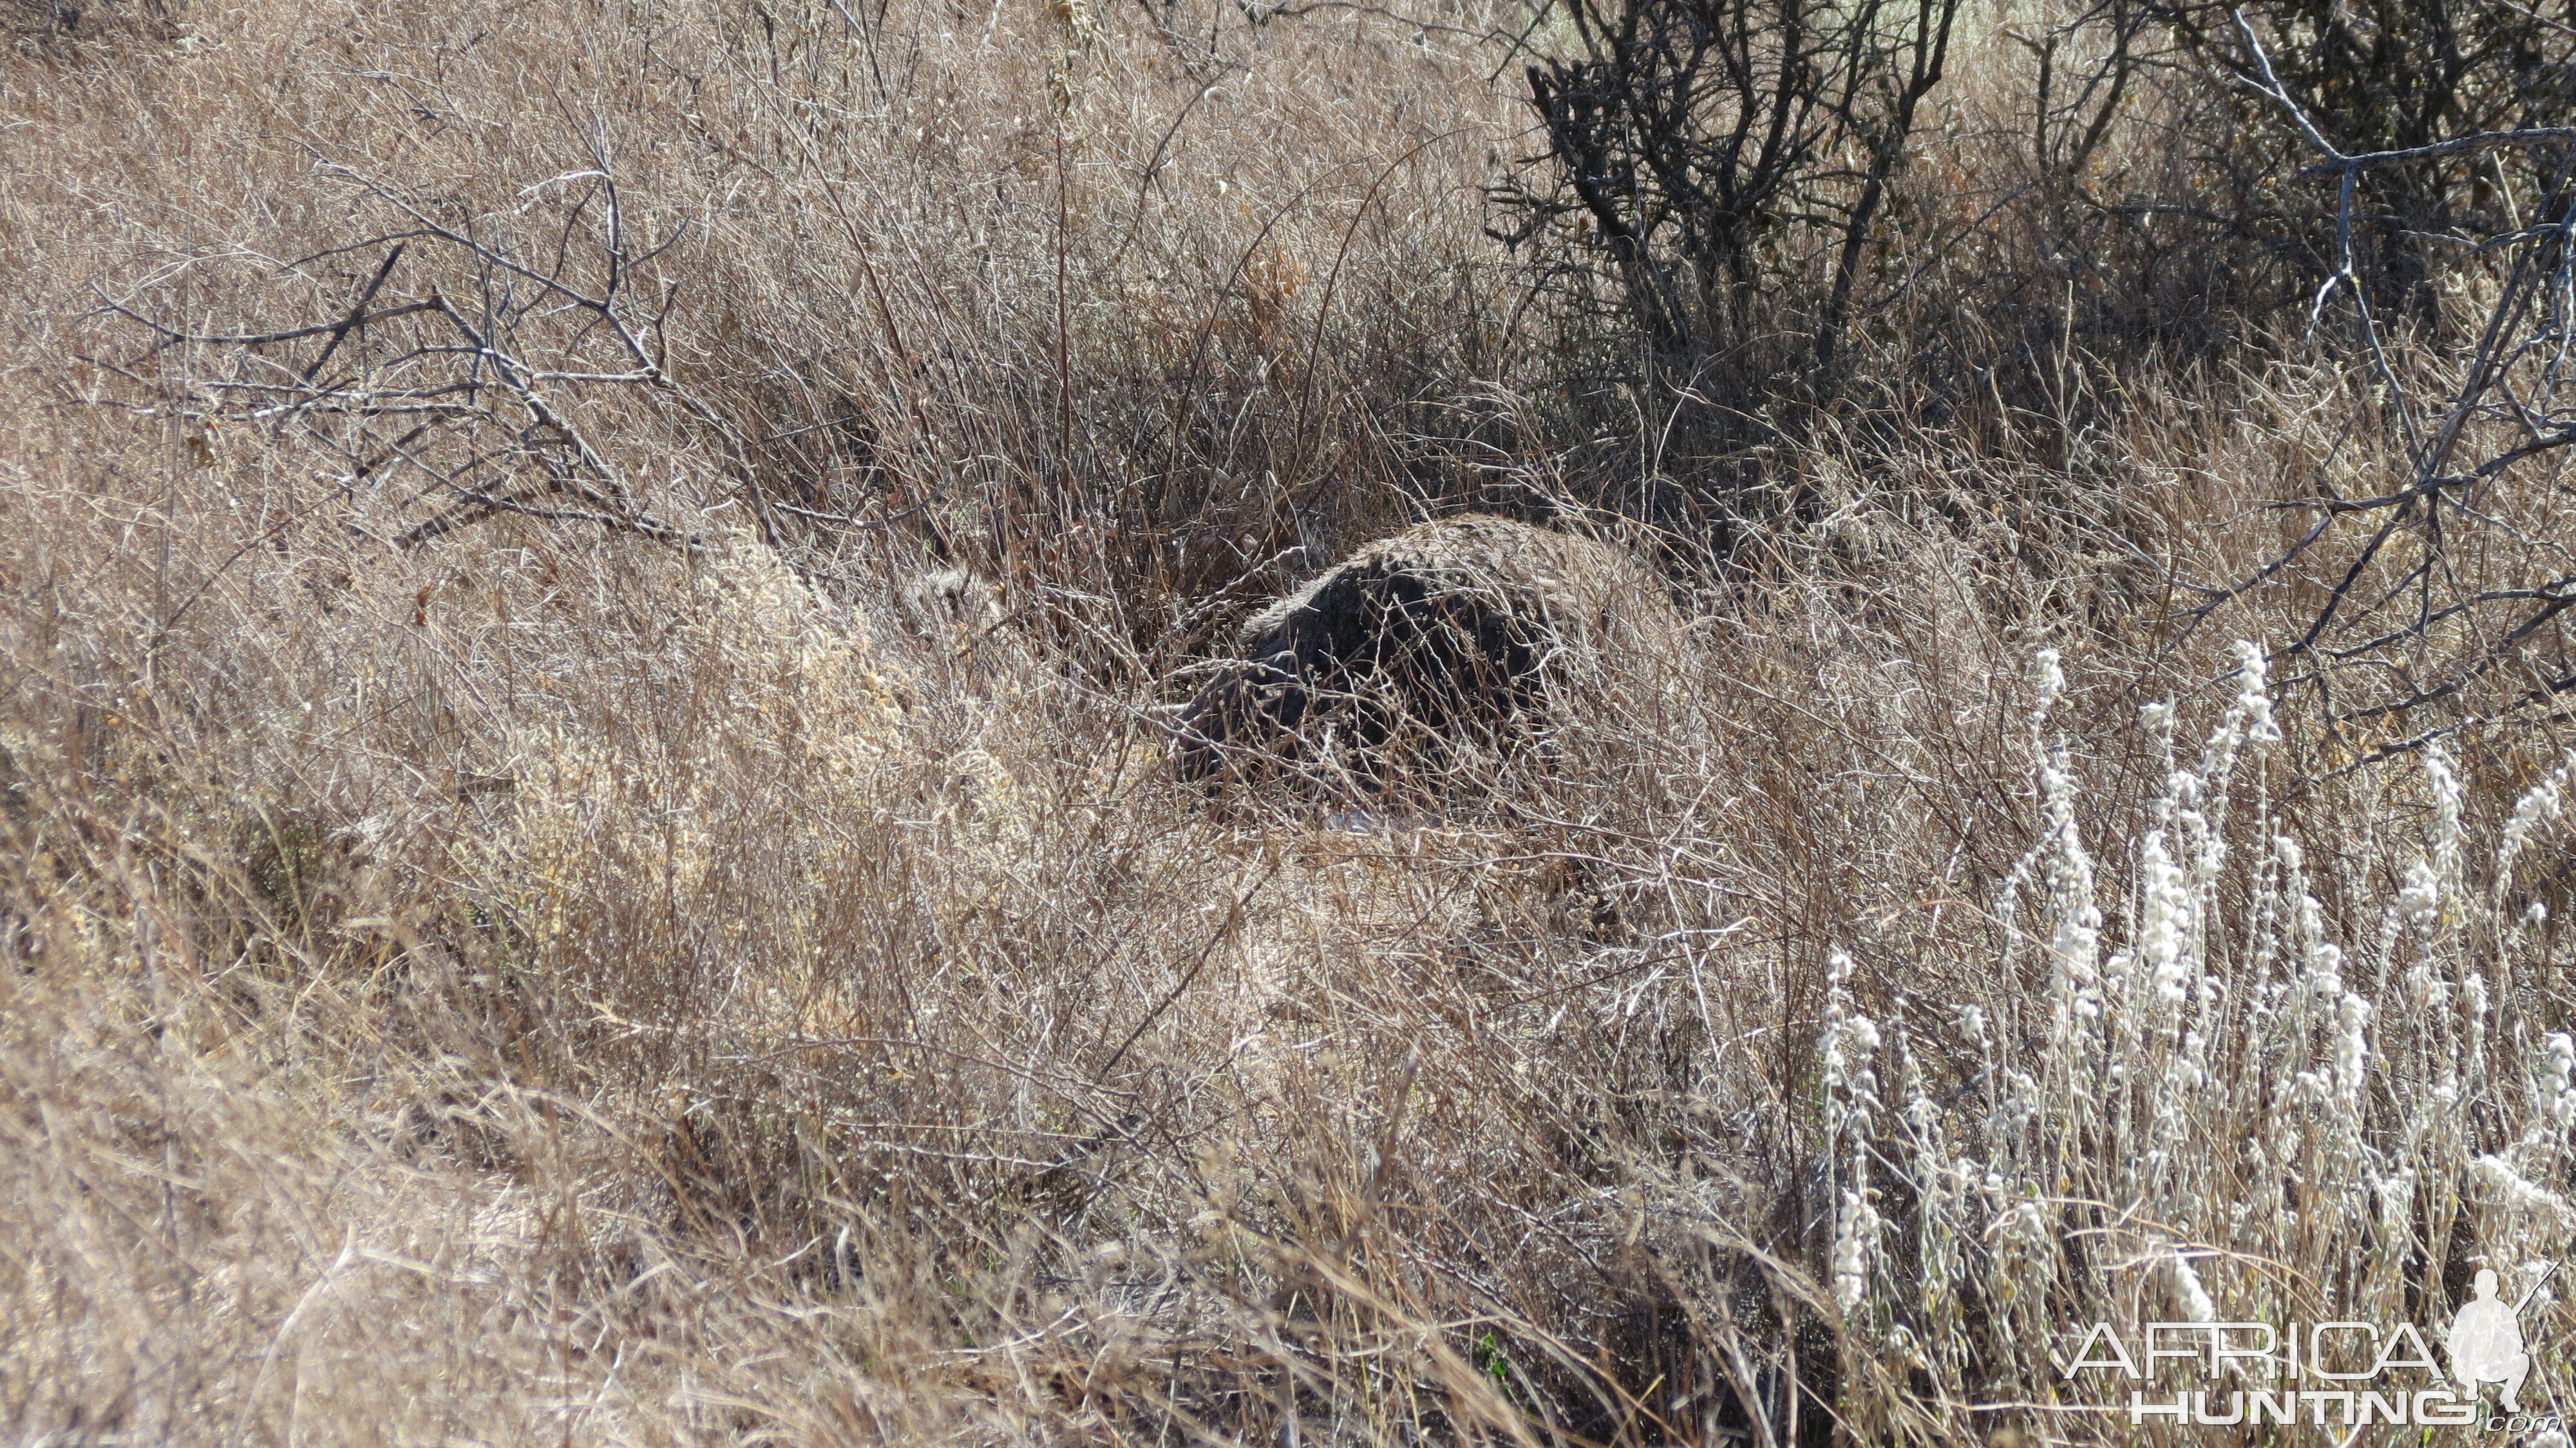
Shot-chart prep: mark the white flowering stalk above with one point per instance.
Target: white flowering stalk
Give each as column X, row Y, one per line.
column 1855, row 1231
column 2061, row 863
column 2200, row 801
column 2309, row 983
column 1941, row 1185
column 2282, row 1067
column 2191, row 1301
column 2445, row 782
column 2556, row 1088
column 2248, row 719
column 2075, row 932
column 2166, row 918
column 2537, row 812
column 2533, row 1219
column 1851, row 1042
column 2050, row 671
column 2538, row 808
column 2509, row 1189
column 2351, row 1052
column 2420, row 901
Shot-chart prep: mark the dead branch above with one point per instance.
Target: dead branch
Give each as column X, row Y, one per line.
column 480, row 393
column 2465, row 457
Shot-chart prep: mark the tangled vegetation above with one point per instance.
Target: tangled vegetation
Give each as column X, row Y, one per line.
column 592, row 594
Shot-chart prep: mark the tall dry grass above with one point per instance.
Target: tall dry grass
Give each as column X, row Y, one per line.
column 631, row 979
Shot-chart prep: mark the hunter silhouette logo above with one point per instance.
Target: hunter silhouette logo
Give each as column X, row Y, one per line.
column 2486, row 1340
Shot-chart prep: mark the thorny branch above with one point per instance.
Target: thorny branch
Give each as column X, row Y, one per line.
column 2410, row 578
column 489, row 387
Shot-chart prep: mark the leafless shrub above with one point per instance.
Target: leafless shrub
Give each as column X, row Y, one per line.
column 1699, row 140
column 2394, row 75
column 2398, row 624
column 475, row 407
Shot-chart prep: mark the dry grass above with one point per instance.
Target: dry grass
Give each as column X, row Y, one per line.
column 628, row 980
